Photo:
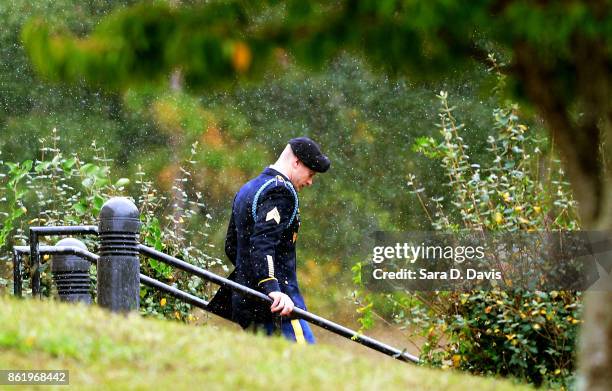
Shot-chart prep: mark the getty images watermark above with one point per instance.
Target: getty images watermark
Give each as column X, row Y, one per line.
column 547, row 261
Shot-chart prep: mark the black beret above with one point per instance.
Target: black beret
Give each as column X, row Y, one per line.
column 310, row 154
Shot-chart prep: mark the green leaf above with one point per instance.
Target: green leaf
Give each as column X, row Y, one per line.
column 88, row 169
column 122, row 182
column 27, row 165
column 80, row 208
column 100, row 182
column 41, row 166
column 98, row 201
column 68, row 163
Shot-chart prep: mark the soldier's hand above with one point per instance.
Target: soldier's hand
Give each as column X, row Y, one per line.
column 282, row 303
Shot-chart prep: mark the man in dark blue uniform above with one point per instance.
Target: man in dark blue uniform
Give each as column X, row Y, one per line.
column 260, row 242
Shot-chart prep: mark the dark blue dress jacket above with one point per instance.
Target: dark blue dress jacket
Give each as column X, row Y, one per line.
column 260, row 242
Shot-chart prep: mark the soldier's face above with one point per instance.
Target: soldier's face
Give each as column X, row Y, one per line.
column 302, row 176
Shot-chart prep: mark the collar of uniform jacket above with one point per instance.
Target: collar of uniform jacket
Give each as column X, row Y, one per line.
column 272, row 172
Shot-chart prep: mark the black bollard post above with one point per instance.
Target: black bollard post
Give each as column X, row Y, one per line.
column 17, row 287
column 71, row 274
column 119, row 266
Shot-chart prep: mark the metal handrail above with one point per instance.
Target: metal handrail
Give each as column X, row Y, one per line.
column 93, row 258
column 297, row 312
column 36, row 250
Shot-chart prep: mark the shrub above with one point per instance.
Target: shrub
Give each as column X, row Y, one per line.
column 60, row 190
column 527, row 335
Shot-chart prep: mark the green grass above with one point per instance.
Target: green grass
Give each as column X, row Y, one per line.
column 116, row 352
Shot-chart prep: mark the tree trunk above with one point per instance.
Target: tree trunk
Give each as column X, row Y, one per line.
column 595, row 353
column 586, row 165
column 595, row 343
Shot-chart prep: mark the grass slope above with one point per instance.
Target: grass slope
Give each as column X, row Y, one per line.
column 115, row 352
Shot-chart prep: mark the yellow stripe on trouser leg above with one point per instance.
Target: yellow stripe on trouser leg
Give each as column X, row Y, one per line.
column 297, row 330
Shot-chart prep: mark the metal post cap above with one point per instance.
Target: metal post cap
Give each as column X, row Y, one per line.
column 119, row 214
column 69, row 262
column 71, row 242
